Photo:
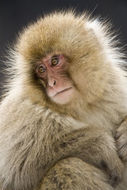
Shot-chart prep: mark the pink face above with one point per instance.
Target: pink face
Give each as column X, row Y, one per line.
column 52, row 71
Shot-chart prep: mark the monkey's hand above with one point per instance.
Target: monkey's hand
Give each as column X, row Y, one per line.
column 121, row 140
column 110, row 163
column 106, row 158
column 96, row 147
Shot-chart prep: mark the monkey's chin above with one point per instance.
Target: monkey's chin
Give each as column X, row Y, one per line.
column 63, row 97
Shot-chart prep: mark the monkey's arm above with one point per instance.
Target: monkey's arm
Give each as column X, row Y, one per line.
column 28, row 170
column 121, row 140
column 94, row 146
column 74, row 174
column 33, row 139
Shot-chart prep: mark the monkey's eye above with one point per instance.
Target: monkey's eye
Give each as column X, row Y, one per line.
column 54, row 60
column 41, row 69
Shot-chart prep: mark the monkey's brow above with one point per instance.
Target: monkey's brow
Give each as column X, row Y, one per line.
column 55, row 56
column 84, row 55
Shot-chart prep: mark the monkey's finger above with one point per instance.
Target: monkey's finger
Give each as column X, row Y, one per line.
column 114, row 180
column 121, row 130
column 122, row 146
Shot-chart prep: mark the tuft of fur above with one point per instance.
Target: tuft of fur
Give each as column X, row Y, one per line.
column 38, row 137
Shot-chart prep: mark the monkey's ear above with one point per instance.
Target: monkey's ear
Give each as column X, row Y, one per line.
column 100, row 30
column 102, row 33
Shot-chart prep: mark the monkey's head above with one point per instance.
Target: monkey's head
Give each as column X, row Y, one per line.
column 64, row 58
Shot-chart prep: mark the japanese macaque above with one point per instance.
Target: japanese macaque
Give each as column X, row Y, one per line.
column 65, row 100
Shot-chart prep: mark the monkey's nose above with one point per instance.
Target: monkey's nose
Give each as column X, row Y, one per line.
column 52, row 82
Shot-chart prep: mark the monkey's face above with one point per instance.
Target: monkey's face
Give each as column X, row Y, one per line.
column 52, row 73
column 66, row 58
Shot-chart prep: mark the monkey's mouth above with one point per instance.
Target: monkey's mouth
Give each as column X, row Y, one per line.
column 62, row 91
column 63, row 96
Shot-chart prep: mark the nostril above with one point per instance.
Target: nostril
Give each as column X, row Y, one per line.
column 51, row 82
column 54, row 82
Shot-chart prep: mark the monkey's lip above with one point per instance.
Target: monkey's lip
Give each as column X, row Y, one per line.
column 62, row 91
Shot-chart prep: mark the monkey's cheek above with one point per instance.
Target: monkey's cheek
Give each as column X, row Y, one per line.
column 64, row 97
